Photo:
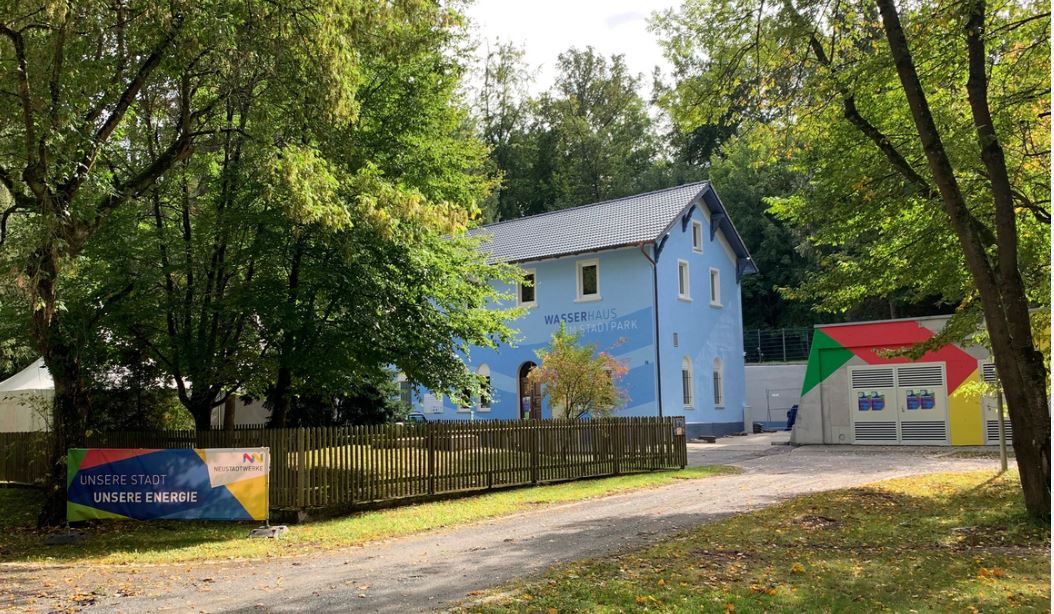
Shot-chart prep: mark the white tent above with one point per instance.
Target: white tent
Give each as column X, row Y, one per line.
column 25, row 399
column 26, row 396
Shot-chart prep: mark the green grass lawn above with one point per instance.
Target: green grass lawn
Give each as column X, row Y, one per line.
column 941, row 543
column 121, row 542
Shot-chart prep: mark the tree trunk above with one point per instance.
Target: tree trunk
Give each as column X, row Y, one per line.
column 1020, row 366
column 229, row 411
column 201, row 409
column 68, row 429
column 280, row 400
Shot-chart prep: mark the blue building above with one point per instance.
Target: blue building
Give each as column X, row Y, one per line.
column 652, row 279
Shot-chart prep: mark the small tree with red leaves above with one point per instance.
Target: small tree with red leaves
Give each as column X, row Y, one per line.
column 578, row 380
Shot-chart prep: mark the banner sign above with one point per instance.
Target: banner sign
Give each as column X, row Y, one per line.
column 181, row 484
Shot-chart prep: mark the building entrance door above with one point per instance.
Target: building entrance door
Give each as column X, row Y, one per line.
column 530, row 395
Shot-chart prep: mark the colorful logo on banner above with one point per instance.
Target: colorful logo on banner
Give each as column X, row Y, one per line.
column 183, row 484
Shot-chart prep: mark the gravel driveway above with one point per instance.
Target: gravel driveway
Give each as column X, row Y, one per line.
column 432, row 570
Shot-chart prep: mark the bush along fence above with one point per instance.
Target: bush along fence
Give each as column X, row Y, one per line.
column 342, row 467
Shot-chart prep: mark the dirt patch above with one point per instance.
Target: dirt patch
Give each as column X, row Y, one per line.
column 722, row 556
column 811, row 522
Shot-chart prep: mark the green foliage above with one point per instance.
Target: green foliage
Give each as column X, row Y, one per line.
column 578, row 380
column 747, row 172
column 809, row 76
column 589, row 138
column 363, row 402
column 307, row 235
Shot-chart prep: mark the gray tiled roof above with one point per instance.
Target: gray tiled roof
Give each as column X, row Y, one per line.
column 614, row 223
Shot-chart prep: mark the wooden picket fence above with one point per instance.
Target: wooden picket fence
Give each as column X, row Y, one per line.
column 338, row 467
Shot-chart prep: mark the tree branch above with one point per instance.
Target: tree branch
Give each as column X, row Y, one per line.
column 114, row 119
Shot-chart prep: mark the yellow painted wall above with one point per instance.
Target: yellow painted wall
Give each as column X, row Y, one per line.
column 965, row 424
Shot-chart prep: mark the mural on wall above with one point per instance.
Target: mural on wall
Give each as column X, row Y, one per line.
column 835, row 347
column 866, row 341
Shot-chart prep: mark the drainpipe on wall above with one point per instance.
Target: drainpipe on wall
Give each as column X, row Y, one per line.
column 655, row 307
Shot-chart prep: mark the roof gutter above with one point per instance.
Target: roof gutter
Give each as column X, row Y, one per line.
column 655, row 318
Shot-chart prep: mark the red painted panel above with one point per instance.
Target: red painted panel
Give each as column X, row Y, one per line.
column 879, row 334
column 864, row 339
column 100, row 456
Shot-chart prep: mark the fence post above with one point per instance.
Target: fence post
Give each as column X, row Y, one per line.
column 616, row 444
column 300, row 466
column 534, row 432
column 431, row 458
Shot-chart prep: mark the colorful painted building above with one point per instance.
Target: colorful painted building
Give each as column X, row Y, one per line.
column 856, row 392
column 653, row 279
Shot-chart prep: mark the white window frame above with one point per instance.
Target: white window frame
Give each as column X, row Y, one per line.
column 462, row 409
column 519, row 290
column 400, row 379
column 719, row 389
column 684, row 293
column 686, row 367
column 697, row 236
column 581, row 264
column 715, row 287
column 484, row 371
column 429, row 407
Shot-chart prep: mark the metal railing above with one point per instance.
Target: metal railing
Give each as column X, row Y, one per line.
column 777, row 345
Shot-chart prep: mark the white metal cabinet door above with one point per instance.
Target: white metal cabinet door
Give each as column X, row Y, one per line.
column 922, row 404
column 872, row 391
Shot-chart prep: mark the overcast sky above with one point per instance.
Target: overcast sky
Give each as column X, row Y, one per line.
column 545, row 28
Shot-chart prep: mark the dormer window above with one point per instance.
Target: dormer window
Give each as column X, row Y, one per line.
column 527, row 289
column 697, row 237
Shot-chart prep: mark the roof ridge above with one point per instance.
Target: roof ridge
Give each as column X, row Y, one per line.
column 596, row 204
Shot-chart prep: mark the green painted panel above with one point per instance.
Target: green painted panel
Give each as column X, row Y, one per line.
column 825, row 357
column 74, row 456
column 76, row 511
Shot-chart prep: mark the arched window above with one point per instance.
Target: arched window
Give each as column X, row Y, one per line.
column 687, row 385
column 485, row 394
column 719, row 384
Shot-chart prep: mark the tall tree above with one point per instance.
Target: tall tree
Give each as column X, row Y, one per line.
column 603, row 136
column 502, row 106
column 916, row 184
column 81, row 77
column 303, row 256
column 588, row 138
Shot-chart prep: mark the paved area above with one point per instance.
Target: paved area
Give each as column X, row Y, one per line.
column 434, row 570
